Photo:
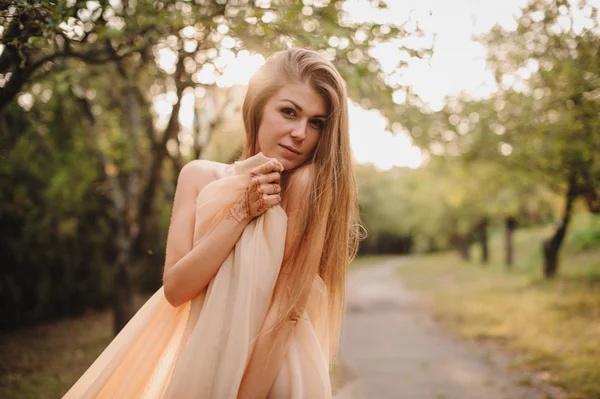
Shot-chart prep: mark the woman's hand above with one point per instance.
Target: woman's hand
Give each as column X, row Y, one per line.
column 262, row 193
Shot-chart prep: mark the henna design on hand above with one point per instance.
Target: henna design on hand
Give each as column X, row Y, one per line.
column 262, row 204
column 241, row 209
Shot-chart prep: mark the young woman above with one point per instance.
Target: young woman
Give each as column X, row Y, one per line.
column 257, row 256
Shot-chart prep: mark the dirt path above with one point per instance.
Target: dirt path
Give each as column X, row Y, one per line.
column 391, row 348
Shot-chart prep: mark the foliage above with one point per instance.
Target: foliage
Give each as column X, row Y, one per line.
column 122, row 72
column 540, row 131
column 445, row 198
column 56, row 233
column 551, row 117
column 587, row 238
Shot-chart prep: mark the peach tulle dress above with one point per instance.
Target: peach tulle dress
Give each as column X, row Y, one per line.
column 200, row 349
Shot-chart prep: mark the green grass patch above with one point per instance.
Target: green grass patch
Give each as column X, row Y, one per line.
column 44, row 361
column 554, row 325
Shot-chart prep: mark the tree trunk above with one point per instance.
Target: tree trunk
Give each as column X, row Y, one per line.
column 127, row 230
column 123, row 298
column 511, row 225
column 465, row 250
column 147, row 208
column 483, row 240
column 463, row 244
column 592, row 196
column 552, row 245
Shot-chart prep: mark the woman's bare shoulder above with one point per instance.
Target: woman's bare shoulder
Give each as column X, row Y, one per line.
column 200, row 172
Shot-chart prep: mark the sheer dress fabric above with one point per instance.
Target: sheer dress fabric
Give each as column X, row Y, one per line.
column 200, row 349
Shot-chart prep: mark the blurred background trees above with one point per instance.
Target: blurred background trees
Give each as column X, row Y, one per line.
column 93, row 139
column 542, row 123
column 102, row 103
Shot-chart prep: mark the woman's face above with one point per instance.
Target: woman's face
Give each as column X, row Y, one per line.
column 294, row 117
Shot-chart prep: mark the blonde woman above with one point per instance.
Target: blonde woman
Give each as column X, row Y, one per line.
column 257, row 256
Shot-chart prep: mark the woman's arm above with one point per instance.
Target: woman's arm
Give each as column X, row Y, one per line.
column 188, row 268
column 271, row 347
column 188, row 271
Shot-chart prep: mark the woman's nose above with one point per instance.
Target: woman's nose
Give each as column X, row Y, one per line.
column 299, row 130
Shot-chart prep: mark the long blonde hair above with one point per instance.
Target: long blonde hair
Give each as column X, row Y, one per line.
column 333, row 182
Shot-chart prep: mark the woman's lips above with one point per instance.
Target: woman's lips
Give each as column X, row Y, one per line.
column 288, row 151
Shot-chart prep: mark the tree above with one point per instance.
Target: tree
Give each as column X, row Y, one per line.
column 111, row 57
column 542, row 123
column 549, row 74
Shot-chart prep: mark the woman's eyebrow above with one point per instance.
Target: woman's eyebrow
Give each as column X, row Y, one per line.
column 300, row 108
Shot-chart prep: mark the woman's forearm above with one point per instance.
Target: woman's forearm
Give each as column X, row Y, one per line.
column 270, row 350
column 193, row 272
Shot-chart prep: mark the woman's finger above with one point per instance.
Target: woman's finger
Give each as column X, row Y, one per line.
column 272, row 200
column 270, row 188
column 273, row 177
column 272, row 165
column 259, row 186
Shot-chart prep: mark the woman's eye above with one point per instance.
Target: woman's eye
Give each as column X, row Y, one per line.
column 319, row 124
column 288, row 111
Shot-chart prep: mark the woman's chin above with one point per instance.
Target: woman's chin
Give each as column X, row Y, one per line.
column 287, row 165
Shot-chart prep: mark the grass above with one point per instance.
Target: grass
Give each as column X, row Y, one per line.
column 553, row 325
column 44, row 361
